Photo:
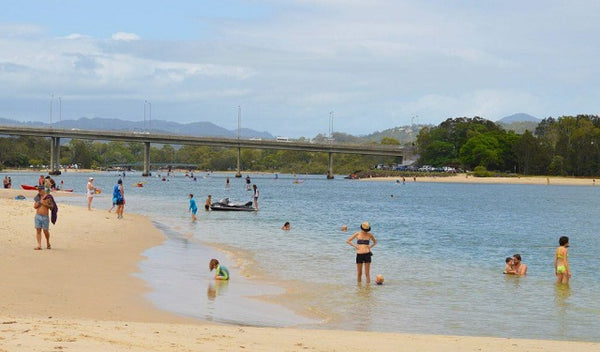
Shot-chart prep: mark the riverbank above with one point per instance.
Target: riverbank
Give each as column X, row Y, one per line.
column 524, row 180
column 80, row 295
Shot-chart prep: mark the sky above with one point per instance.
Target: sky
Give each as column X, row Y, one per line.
column 298, row 67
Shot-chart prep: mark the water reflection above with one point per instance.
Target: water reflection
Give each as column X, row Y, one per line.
column 216, row 288
column 364, row 308
column 515, row 280
column 563, row 291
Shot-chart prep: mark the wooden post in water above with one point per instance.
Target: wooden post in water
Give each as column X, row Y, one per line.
column 54, row 156
column 330, row 171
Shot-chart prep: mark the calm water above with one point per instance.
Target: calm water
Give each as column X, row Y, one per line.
column 441, row 249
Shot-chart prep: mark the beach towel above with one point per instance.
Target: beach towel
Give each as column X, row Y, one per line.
column 54, row 210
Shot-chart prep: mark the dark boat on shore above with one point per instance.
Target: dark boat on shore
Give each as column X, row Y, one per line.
column 225, row 205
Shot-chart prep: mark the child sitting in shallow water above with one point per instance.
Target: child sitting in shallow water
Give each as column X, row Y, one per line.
column 509, row 267
column 221, row 273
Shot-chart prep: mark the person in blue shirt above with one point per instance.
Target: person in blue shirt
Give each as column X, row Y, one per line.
column 221, row 271
column 119, row 198
column 193, row 208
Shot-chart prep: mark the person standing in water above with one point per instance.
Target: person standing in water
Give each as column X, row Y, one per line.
column 208, row 203
column 193, row 207
column 255, row 195
column 363, row 250
column 561, row 261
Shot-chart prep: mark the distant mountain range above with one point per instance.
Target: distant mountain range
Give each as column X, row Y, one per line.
column 519, row 123
column 520, row 117
column 405, row 134
column 203, row 129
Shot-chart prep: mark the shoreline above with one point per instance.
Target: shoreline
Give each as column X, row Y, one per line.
column 89, row 260
column 456, row 178
column 522, row 180
column 82, row 295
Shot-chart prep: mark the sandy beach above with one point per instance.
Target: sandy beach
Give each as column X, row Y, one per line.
column 81, row 296
column 522, row 180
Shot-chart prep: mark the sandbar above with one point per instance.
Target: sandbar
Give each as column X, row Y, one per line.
column 517, row 180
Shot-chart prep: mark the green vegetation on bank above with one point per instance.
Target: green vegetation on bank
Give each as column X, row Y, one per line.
column 23, row 152
column 567, row 146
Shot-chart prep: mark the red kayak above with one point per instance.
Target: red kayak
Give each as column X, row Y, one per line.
column 34, row 188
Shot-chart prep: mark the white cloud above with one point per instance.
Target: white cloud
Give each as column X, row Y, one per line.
column 377, row 64
column 19, row 30
column 76, row 36
column 125, row 36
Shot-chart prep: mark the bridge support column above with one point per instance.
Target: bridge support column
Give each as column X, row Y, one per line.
column 238, row 172
column 54, row 156
column 330, row 171
column 146, row 160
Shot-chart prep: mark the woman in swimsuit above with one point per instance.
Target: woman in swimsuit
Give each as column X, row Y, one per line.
column 561, row 261
column 363, row 250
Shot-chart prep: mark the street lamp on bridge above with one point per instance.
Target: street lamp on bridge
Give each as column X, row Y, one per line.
column 331, row 126
column 51, row 106
column 146, row 102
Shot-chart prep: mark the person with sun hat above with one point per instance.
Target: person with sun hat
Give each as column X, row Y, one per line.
column 363, row 250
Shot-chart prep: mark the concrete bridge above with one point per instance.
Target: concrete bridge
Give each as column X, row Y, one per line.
column 147, row 138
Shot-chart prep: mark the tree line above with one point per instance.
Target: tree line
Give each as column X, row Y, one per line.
column 27, row 152
column 566, row 146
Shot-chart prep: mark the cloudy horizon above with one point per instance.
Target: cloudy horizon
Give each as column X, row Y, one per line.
column 289, row 64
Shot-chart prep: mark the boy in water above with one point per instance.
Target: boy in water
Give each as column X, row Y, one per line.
column 221, row 273
column 208, row 203
column 193, row 208
column 509, row 267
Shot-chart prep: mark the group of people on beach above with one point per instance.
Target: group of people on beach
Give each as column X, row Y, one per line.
column 362, row 241
column 46, row 207
column 514, row 265
column 118, row 196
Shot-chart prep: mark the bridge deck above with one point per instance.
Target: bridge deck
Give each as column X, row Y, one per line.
column 144, row 137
